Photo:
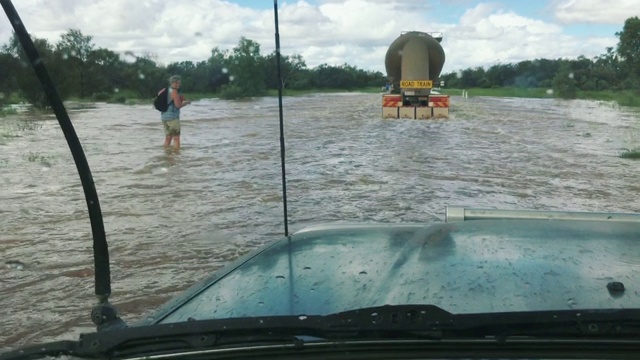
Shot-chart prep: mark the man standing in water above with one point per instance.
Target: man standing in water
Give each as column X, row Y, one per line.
column 171, row 117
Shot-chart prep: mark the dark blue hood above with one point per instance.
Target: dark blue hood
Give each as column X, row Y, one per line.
column 465, row 267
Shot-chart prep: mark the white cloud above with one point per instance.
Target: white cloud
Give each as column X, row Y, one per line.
column 356, row 32
column 595, row 11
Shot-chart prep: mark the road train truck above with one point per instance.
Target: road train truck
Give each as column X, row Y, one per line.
column 413, row 63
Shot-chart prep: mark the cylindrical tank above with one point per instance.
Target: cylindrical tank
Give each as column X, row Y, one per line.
column 414, row 55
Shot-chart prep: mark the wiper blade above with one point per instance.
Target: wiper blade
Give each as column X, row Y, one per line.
column 377, row 323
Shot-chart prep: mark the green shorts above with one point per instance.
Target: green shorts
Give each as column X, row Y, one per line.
column 172, row 127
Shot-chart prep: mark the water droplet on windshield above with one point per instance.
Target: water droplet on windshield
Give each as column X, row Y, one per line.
column 225, row 70
column 306, row 268
column 231, row 77
column 363, row 273
column 261, row 303
column 141, row 76
column 280, row 277
column 302, row 317
column 375, row 317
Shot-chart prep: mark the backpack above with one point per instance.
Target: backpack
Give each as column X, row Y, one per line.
column 161, row 103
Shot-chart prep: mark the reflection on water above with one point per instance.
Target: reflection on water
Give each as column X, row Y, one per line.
column 173, row 217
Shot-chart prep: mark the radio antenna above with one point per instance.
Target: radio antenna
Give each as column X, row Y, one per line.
column 103, row 315
column 282, row 153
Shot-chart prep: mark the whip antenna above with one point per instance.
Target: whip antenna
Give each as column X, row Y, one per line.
column 103, row 315
column 280, row 84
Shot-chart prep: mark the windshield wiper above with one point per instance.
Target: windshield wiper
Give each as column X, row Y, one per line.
column 407, row 322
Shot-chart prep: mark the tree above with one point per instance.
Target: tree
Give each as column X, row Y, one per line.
column 107, row 73
column 9, row 67
column 74, row 49
column 629, row 45
column 294, row 71
column 27, row 80
column 218, row 64
column 564, row 84
column 246, row 73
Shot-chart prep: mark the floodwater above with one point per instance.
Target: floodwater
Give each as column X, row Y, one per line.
column 172, row 218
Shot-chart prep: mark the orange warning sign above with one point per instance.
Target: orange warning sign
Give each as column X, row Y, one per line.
column 439, row 101
column 391, row 100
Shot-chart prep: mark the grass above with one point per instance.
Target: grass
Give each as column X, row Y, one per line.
column 631, row 154
column 289, row 92
column 36, row 157
column 7, row 111
column 623, row 98
column 502, row 92
column 28, row 125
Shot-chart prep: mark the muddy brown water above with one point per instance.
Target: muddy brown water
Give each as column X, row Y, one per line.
column 173, row 218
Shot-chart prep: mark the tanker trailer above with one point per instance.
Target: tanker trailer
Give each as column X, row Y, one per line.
column 413, row 63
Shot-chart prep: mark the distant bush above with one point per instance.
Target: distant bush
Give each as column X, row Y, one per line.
column 232, row 92
column 118, row 99
column 101, row 96
column 121, row 97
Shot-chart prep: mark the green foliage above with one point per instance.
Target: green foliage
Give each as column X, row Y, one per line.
column 564, row 83
column 101, row 96
column 629, row 45
column 36, row 157
column 509, row 91
column 122, row 97
column 4, row 111
column 246, row 70
column 232, row 92
column 630, row 154
column 28, row 125
column 80, row 70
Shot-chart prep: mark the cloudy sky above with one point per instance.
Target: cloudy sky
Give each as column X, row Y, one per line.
column 356, row 32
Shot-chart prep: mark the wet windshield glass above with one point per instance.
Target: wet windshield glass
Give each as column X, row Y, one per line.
column 500, row 106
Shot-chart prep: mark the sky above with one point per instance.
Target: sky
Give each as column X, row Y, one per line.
column 335, row 32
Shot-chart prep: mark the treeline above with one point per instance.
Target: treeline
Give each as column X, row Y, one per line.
column 614, row 70
column 81, row 70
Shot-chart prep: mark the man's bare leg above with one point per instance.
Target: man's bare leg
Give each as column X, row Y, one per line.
column 167, row 140
column 176, row 142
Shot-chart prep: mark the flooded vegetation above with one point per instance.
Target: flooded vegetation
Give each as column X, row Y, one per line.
column 172, row 218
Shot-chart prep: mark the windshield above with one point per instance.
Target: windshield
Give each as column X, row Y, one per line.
column 522, row 107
